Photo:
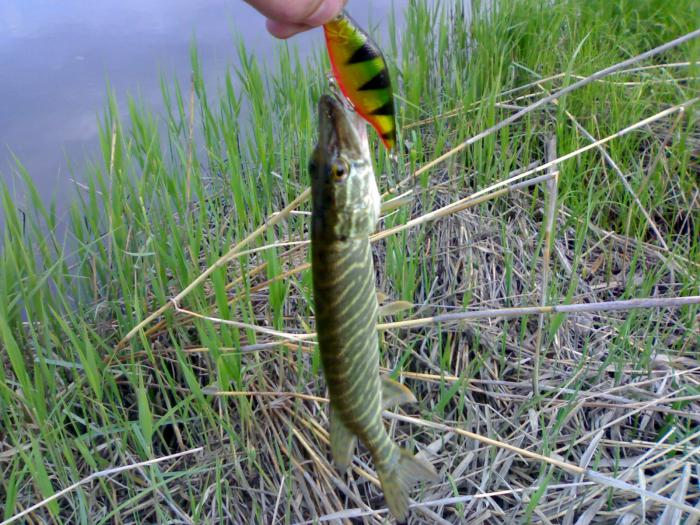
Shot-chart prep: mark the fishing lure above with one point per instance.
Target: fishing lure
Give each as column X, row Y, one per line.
column 362, row 75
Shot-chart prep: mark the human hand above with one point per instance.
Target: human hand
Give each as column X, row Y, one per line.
column 286, row 18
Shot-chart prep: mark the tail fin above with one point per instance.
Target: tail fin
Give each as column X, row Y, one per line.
column 399, row 478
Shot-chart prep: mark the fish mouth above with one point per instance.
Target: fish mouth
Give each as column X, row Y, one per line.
column 340, row 130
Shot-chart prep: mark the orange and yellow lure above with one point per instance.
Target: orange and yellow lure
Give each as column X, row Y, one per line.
column 362, row 74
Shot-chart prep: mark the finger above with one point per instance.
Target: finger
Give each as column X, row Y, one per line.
column 285, row 30
column 325, row 12
column 310, row 12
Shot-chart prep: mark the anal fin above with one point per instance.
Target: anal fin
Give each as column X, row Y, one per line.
column 343, row 441
column 394, row 393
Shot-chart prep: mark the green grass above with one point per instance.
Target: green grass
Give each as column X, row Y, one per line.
column 173, row 192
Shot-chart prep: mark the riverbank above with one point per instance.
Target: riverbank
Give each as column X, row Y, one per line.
column 227, row 376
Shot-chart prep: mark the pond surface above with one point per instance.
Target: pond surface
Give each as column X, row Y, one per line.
column 56, row 58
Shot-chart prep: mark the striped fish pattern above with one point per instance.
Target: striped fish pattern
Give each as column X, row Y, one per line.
column 345, row 209
column 362, row 74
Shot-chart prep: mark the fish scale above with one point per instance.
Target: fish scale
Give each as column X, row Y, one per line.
column 358, row 314
column 345, row 209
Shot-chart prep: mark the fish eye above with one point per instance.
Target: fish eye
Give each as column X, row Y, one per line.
column 339, row 169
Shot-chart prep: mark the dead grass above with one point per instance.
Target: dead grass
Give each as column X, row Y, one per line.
column 614, row 386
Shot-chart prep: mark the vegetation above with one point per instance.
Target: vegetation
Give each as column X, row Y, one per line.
column 227, row 377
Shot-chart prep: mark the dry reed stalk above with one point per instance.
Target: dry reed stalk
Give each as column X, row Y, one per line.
column 592, row 475
column 550, row 213
column 613, row 165
column 218, row 264
column 97, row 475
column 546, row 100
column 502, row 313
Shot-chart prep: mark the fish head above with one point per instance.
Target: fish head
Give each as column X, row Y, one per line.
column 344, row 192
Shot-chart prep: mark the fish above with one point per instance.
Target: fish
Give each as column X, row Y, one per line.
column 345, row 210
column 361, row 72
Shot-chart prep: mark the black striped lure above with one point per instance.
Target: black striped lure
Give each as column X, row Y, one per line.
column 345, row 209
column 362, row 75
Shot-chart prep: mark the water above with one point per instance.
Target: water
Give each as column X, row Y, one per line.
column 56, row 59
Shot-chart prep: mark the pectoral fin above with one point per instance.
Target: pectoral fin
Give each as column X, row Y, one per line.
column 394, row 308
column 342, row 442
column 394, row 393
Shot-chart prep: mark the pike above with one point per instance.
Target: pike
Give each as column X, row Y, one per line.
column 362, row 74
column 345, row 209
